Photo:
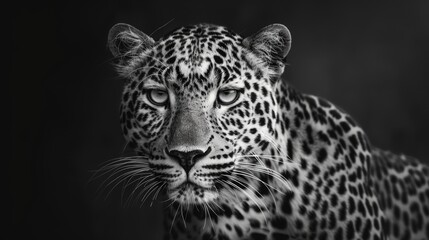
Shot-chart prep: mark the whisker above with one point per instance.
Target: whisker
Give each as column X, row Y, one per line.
column 229, row 189
column 125, row 171
column 119, row 179
column 114, row 182
column 125, row 147
column 205, row 217
column 264, row 170
column 172, row 201
column 237, row 198
column 113, row 165
column 148, row 191
column 144, row 175
column 212, row 210
column 141, row 182
column 148, row 182
column 157, row 193
column 174, row 218
column 267, row 157
column 207, row 213
column 238, row 171
column 187, row 209
column 274, row 143
column 244, row 174
column 183, row 218
column 161, row 27
column 250, row 197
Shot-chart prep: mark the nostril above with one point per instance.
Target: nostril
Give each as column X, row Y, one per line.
column 187, row 159
column 202, row 154
column 179, row 155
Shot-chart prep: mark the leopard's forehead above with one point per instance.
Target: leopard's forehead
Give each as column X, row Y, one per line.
column 202, row 35
column 198, row 57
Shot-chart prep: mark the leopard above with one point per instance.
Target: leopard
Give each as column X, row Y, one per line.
column 239, row 153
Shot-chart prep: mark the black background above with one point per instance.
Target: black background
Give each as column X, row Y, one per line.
column 369, row 58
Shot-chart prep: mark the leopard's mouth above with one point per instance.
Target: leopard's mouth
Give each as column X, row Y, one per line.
column 187, row 185
column 191, row 193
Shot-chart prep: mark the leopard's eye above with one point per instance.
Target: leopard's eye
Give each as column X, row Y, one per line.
column 157, row 97
column 228, row 96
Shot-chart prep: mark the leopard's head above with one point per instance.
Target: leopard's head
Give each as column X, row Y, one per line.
column 199, row 106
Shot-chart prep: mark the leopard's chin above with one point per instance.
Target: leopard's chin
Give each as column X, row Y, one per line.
column 190, row 193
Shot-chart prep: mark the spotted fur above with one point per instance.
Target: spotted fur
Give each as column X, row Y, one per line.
column 271, row 163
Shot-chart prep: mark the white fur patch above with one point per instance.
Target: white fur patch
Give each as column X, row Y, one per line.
column 203, row 67
column 184, row 69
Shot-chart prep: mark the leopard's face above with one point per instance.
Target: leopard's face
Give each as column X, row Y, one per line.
column 198, row 105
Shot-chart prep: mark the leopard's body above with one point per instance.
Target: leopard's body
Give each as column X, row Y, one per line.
column 242, row 155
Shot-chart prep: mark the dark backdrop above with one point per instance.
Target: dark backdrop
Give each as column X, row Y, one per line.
column 369, row 58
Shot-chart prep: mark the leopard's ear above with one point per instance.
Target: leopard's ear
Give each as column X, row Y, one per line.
column 272, row 44
column 126, row 42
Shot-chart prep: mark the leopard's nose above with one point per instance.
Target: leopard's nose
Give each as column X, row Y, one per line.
column 187, row 159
